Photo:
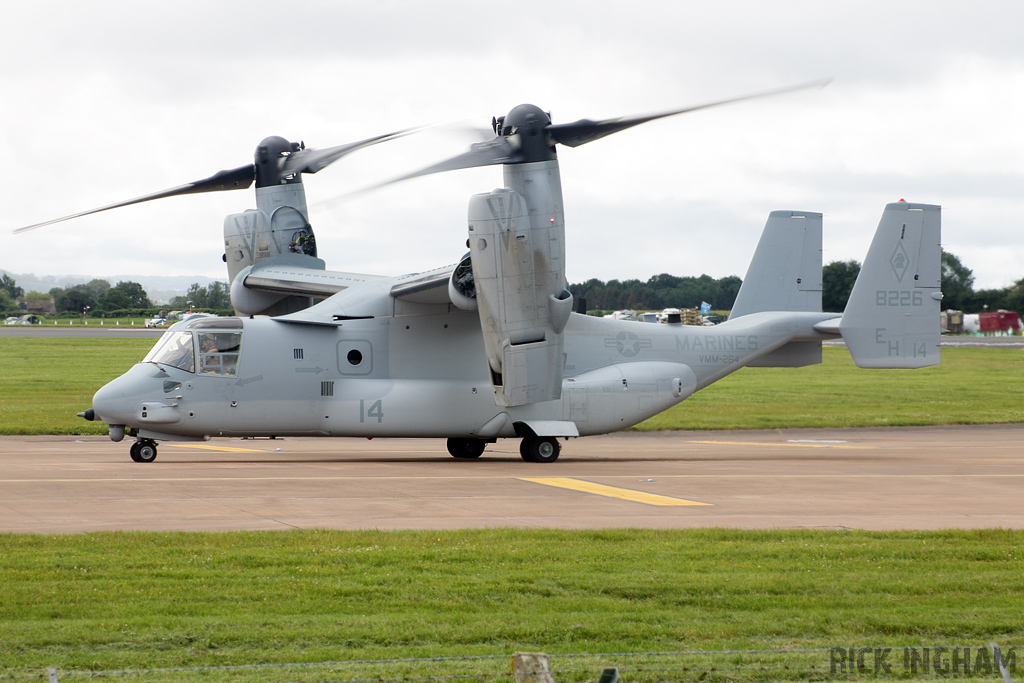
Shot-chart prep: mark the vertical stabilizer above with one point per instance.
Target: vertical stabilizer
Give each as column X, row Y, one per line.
column 892, row 318
column 785, row 273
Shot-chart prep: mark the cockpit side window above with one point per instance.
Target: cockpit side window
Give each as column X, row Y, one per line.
column 218, row 353
column 174, row 349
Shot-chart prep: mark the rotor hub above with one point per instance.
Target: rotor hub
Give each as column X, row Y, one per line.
column 269, row 158
column 526, row 124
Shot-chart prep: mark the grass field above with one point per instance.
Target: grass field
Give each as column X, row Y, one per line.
column 45, row 382
column 970, row 386
column 111, row 601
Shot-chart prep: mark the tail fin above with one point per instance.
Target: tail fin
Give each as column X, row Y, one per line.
column 892, row 318
column 785, row 273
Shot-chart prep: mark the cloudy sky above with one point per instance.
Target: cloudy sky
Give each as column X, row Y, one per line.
column 106, row 100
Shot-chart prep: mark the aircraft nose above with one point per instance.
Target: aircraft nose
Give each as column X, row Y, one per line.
column 116, row 402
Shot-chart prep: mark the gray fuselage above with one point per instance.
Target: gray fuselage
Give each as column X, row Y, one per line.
column 426, row 375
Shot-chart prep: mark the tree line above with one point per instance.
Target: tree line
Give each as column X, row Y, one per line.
column 669, row 291
column 958, row 291
column 99, row 297
column 215, row 297
column 660, row 291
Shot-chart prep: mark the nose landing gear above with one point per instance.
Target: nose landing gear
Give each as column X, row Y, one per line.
column 143, row 450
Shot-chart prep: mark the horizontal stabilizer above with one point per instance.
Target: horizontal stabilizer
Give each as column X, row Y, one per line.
column 892, row 318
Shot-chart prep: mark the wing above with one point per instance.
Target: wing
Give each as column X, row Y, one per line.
column 354, row 296
column 301, row 280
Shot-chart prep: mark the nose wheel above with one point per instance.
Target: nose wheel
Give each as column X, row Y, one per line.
column 143, row 450
column 540, row 449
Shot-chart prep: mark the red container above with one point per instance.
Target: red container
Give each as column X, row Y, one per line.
column 999, row 321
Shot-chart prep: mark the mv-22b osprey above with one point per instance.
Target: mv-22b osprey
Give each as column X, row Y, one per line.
column 490, row 348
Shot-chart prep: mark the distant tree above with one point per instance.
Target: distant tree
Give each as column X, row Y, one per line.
column 728, row 288
column 981, row 300
column 76, row 299
column 8, row 285
column 837, row 280
column 216, row 296
column 589, row 290
column 6, row 301
column 98, row 288
column 36, row 296
column 59, row 298
column 197, row 295
column 1014, row 300
column 125, row 295
column 957, row 283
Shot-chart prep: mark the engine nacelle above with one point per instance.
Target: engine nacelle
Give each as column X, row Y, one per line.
column 461, row 285
column 247, row 301
column 278, row 227
column 519, row 279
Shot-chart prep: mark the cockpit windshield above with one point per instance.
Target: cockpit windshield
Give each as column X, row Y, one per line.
column 174, row 349
column 218, row 353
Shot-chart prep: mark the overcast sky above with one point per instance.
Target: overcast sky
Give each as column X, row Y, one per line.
column 104, row 101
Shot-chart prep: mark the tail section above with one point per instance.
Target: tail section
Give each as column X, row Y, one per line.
column 785, row 273
column 892, row 318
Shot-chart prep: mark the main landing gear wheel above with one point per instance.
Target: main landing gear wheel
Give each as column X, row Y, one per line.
column 143, row 451
column 466, row 448
column 540, row 449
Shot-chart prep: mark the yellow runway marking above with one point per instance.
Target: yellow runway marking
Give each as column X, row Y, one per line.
column 783, row 445
column 610, row 491
column 208, row 447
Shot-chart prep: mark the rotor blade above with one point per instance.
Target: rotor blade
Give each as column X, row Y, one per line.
column 584, row 131
column 497, row 150
column 235, row 179
column 313, row 160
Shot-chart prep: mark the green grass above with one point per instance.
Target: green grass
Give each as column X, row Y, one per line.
column 45, row 382
column 108, row 601
column 970, row 386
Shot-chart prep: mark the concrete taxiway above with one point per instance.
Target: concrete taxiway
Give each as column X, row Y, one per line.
column 888, row 478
